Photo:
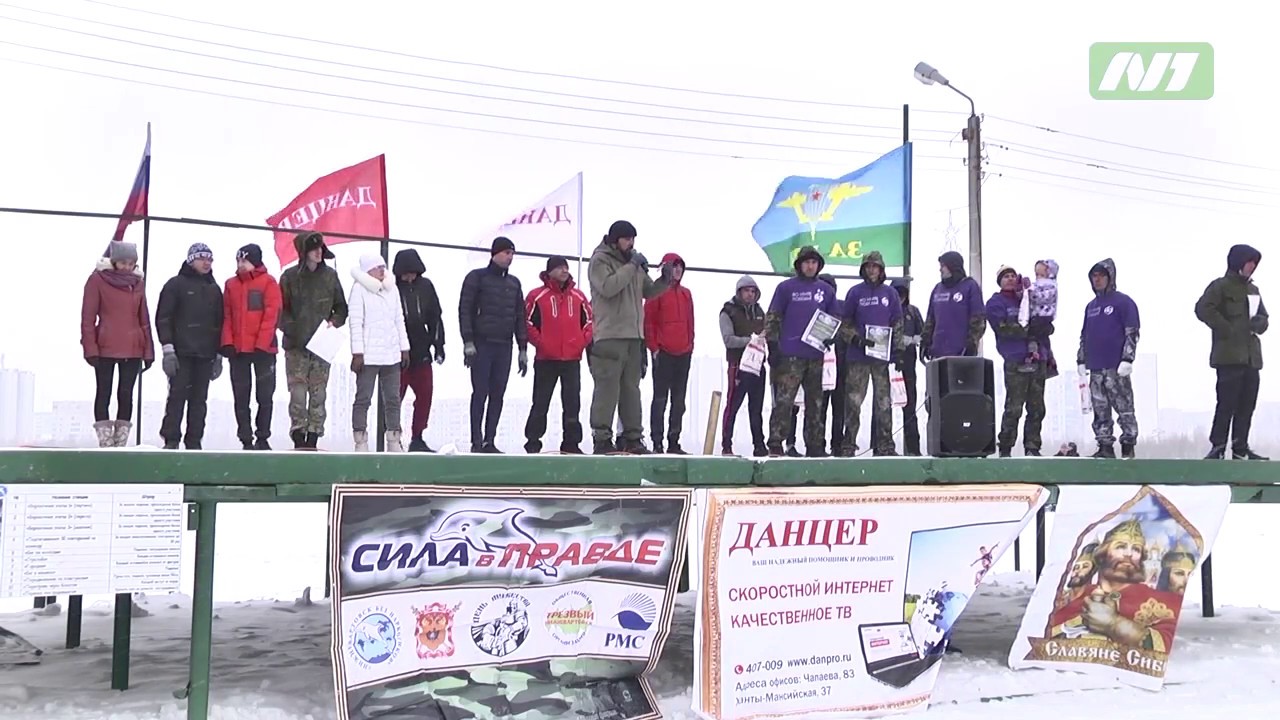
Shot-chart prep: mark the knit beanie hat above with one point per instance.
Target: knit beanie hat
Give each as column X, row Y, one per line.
column 1004, row 270
column 252, row 253
column 197, row 251
column 122, row 252
column 555, row 262
column 502, row 244
column 370, row 262
column 620, row 229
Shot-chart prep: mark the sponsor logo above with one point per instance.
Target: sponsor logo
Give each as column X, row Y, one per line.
column 569, row 617
column 434, row 630
column 1108, row 310
column 636, row 614
column 501, row 625
column 373, row 638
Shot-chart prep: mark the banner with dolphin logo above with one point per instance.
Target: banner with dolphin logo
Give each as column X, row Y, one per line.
column 502, row 602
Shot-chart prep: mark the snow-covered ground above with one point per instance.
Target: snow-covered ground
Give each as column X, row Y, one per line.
column 271, row 657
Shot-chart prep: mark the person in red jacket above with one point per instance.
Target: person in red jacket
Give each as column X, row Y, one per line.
column 559, row 320
column 250, row 315
column 115, row 331
column 668, row 332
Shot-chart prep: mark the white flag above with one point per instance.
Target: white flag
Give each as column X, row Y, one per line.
column 553, row 226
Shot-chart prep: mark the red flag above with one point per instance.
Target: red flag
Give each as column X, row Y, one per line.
column 351, row 200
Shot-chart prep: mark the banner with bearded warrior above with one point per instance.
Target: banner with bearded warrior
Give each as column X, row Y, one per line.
column 470, row 602
column 1118, row 565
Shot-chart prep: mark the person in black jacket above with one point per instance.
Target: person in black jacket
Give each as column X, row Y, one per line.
column 912, row 328
column 424, row 321
column 490, row 313
column 189, row 325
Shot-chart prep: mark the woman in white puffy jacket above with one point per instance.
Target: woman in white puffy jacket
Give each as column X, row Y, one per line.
column 379, row 348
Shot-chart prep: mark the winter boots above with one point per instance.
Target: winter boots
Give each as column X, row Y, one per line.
column 113, row 433
column 124, row 429
column 393, row 441
column 106, row 431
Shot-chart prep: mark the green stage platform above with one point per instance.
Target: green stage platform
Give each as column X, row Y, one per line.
column 305, row 476
column 211, row 478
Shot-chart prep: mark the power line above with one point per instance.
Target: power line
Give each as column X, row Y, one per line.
column 1102, row 164
column 470, row 113
column 654, row 86
column 640, row 132
column 522, row 71
column 1114, row 196
column 227, row 225
column 833, row 123
column 625, row 113
column 532, row 90
column 1138, row 187
column 426, row 123
column 1099, row 166
column 1115, row 143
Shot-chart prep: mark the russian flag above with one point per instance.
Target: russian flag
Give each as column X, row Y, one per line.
column 137, row 202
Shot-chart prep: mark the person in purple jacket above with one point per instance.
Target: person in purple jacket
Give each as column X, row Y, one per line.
column 1108, row 347
column 795, row 363
column 956, row 319
column 1021, row 388
column 869, row 305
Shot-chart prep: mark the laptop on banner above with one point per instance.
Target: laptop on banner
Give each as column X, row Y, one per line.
column 891, row 653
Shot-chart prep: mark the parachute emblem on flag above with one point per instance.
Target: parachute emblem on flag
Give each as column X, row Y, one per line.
column 821, row 202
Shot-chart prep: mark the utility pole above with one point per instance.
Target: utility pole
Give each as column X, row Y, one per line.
column 929, row 75
column 973, row 134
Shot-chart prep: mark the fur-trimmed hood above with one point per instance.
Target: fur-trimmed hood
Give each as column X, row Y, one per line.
column 367, row 282
column 105, row 264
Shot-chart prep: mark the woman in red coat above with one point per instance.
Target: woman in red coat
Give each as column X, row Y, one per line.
column 250, row 313
column 115, row 331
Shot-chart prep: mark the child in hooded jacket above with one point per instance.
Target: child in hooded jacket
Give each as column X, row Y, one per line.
column 1039, row 307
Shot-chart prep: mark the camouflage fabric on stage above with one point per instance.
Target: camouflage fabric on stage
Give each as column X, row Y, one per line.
column 521, row 603
column 548, row 690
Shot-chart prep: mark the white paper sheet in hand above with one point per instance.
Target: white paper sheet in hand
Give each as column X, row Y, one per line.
column 325, row 342
column 1255, row 302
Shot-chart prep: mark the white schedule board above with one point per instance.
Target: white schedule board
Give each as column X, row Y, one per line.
column 90, row 539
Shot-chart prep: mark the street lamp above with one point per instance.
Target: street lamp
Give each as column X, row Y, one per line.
column 929, row 75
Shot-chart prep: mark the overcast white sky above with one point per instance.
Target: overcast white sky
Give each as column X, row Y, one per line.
column 72, row 141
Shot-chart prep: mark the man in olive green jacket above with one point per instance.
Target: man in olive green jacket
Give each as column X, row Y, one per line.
column 1232, row 308
column 620, row 283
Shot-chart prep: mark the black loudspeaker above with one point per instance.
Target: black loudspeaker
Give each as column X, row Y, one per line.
column 962, row 407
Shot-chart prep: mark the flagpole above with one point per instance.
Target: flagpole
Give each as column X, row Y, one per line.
column 146, row 248
column 906, row 138
column 384, row 248
column 580, row 279
column 146, row 251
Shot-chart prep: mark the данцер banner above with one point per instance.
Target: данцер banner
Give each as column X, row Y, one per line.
column 500, row 602
column 840, row 601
